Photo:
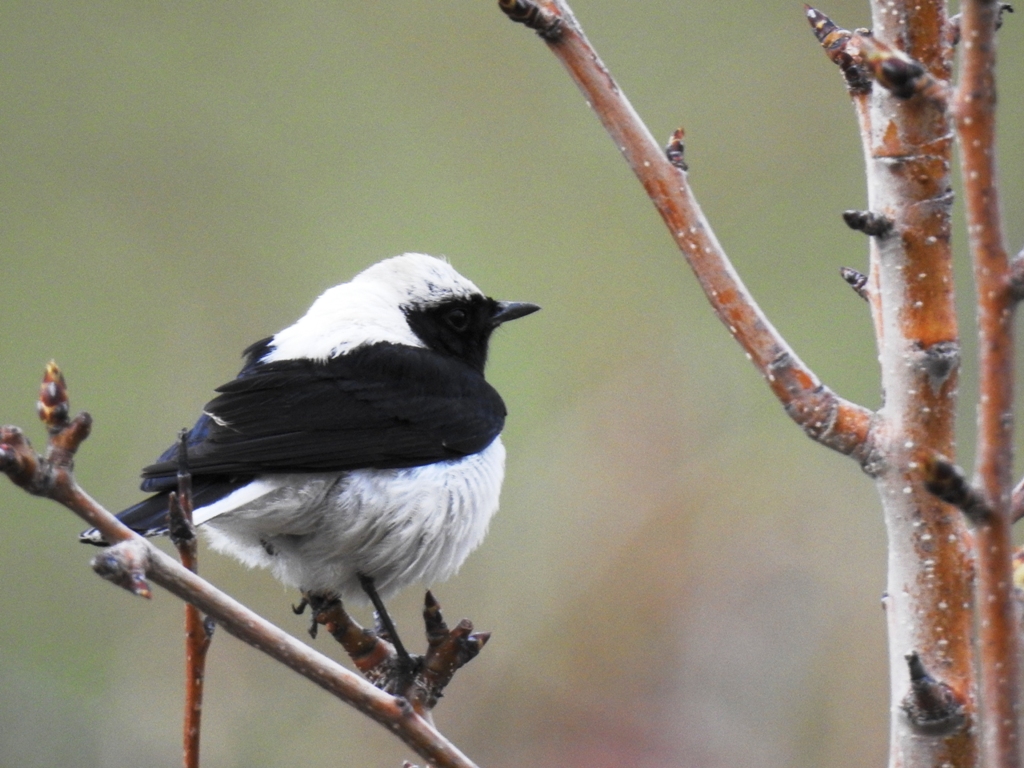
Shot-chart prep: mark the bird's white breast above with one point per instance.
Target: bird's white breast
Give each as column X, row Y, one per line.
column 320, row 531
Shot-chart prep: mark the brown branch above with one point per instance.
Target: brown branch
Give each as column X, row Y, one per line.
column 51, row 478
column 824, row 416
column 974, row 111
column 198, row 630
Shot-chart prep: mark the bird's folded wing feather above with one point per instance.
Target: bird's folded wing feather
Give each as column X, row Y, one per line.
column 382, row 405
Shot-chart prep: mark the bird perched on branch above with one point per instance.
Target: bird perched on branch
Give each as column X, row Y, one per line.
column 358, row 450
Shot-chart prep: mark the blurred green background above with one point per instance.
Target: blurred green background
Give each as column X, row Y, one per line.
column 677, row 577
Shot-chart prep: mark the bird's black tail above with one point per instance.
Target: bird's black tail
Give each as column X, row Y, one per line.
column 150, row 516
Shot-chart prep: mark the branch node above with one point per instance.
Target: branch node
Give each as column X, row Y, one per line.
column 405, row 707
column 857, row 280
column 947, row 482
column 898, row 73
column 179, row 505
column 22, row 464
column 544, row 23
column 938, row 360
column 932, row 707
column 125, row 565
column 675, row 148
column 871, row 224
column 841, row 47
column 63, row 444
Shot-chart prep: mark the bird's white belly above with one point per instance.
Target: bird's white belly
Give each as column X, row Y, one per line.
column 320, row 531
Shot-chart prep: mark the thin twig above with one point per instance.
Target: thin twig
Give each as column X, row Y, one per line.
column 999, row 645
column 843, row 48
column 823, row 415
column 198, row 630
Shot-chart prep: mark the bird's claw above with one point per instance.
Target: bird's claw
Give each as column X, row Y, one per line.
column 317, row 602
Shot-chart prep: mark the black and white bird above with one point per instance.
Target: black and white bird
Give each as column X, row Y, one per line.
column 358, row 447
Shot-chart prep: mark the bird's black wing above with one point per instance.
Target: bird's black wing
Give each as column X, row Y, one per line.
column 381, row 405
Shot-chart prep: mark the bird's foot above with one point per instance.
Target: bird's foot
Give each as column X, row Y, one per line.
column 421, row 679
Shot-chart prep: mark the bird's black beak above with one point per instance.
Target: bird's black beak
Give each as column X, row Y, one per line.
column 511, row 310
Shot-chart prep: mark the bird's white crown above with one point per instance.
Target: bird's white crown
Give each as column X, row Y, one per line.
column 370, row 308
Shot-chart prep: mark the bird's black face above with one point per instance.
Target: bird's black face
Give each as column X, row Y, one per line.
column 460, row 328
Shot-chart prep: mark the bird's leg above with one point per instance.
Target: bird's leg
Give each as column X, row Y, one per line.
column 385, row 619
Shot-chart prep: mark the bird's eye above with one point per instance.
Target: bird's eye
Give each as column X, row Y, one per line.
column 457, row 319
